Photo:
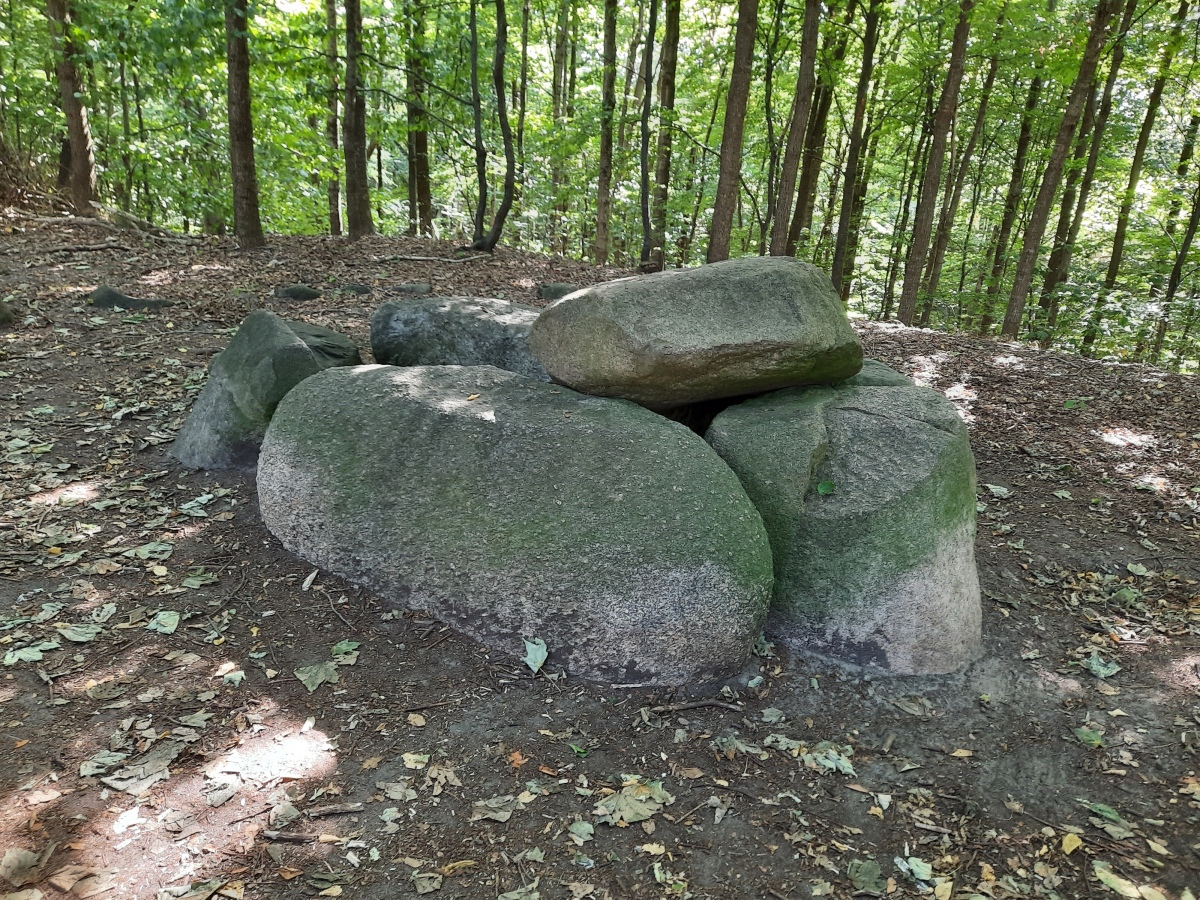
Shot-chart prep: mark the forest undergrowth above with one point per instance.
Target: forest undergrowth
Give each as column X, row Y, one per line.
column 186, row 710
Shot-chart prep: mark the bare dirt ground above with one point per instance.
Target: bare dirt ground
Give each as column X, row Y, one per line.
column 155, row 739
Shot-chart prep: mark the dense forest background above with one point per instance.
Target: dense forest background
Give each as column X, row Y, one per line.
column 1019, row 168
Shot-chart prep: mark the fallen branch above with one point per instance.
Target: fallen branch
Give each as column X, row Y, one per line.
column 440, row 259
column 87, row 248
column 291, row 837
column 695, row 704
column 333, row 809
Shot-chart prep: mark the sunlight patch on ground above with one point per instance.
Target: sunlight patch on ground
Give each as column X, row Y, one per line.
column 926, row 368
column 1009, row 361
column 68, row 494
column 1123, row 437
column 963, row 396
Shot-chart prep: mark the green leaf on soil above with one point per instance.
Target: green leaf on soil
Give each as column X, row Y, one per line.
column 198, row 578
column 825, row 488
column 81, row 633
column 866, row 875
column 312, row 677
column 100, row 762
column 345, row 653
column 499, row 809
column 1101, row 668
column 528, row 892
column 1103, row 810
column 637, row 800
column 1063, row 495
column 1137, row 569
column 32, row 653
column 772, row 715
column 1089, row 737
column 1112, row 880
column 426, row 882
column 165, row 621
column 535, row 654
column 581, row 832
column 998, row 490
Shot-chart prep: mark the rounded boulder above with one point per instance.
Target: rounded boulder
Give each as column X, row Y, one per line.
column 514, row 510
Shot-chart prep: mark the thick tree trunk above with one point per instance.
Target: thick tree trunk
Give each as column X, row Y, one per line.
column 246, row 223
column 1135, row 175
column 354, row 131
column 81, row 171
column 510, row 156
column 666, row 125
column 333, row 189
column 648, row 63
column 1036, row 227
column 926, row 201
column 729, row 177
column 608, row 105
column 797, row 126
column 841, row 265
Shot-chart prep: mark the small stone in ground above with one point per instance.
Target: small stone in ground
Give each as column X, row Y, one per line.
column 296, row 292
column 105, row 297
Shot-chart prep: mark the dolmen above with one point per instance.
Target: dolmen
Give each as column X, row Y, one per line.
column 825, row 500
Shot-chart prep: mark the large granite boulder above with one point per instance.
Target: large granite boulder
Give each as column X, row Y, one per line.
column 724, row 330
column 456, row 331
column 265, row 359
column 867, row 490
column 515, row 509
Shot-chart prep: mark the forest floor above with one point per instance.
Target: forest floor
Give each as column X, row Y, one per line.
column 155, row 739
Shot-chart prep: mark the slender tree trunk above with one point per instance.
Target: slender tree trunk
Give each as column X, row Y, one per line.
column 729, row 178
column 1012, row 202
column 477, row 122
column 797, row 126
column 82, row 169
column 648, row 62
column 941, row 240
column 510, row 156
column 354, row 131
column 1164, row 317
column 333, row 189
column 927, row 199
column 914, row 151
column 522, row 94
column 666, row 126
column 1062, row 232
column 420, row 191
column 1135, row 175
column 1032, row 239
column 1059, row 268
column 127, row 141
column 608, row 105
column 841, row 265
column 246, row 223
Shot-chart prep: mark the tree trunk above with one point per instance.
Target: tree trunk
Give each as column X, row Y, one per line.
column 927, row 199
column 608, row 105
column 1063, row 232
column 729, row 176
column 333, row 189
column 1059, row 268
column 797, row 127
column 842, row 266
column 1012, row 202
column 246, row 223
column 1135, row 175
column 81, row 172
column 354, row 131
column 914, row 150
column 648, row 63
column 1164, row 317
column 941, row 240
column 477, row 123
column 510, row 157
column 1032, row 239
column 666, row 125
column 420, row 191
column 522, row 94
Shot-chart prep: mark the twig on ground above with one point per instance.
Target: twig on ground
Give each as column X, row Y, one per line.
column 695, row 704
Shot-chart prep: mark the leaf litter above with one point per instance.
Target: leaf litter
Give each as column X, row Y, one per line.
column 116, row 552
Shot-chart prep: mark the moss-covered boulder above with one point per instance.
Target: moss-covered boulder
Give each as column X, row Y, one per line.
column 517, row 510
column 267, row 357
column 867, row 490
column 456, row 331
column 682, row 336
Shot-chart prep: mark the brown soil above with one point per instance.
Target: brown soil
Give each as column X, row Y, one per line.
column 1087, row 548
